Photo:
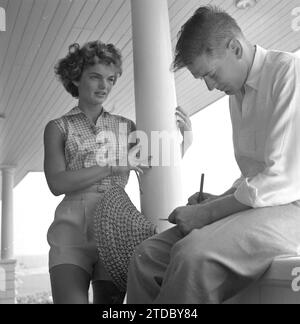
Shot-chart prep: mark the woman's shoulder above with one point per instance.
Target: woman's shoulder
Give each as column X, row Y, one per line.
column 62, row 117
column 118, row 117
column 122, row 119
column 62, row 122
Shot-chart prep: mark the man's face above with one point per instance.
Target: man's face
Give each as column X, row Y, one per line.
column 223, row 73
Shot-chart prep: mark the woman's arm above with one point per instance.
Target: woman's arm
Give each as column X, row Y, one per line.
column 59, row 180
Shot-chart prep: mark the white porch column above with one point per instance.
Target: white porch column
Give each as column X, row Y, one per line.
column 155, row 99
column 7, row 264
column 7, row 226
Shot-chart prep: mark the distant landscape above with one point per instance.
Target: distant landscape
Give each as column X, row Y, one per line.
column 33, row 280
column 32, row 274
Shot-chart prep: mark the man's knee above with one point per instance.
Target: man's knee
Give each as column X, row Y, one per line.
column 141, row 253
column 147, row 249
column 192, row 249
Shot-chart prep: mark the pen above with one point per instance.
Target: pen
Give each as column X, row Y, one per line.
column 200, row 196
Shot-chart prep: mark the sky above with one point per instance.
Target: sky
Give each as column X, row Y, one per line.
column 211, row 153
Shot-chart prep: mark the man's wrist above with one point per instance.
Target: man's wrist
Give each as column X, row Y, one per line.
column 226, row 206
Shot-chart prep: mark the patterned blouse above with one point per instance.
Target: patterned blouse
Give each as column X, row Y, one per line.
column 88, row 144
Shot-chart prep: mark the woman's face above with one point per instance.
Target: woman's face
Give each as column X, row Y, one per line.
column 96, row 83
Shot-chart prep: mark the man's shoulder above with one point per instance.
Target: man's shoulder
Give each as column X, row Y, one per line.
column 279, row 66
column 276, row 59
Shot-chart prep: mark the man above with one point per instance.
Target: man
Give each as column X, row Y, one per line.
column 224, row 243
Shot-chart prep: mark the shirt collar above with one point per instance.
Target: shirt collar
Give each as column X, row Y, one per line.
column 255, row 72
column 77, row 111
column 74, row 111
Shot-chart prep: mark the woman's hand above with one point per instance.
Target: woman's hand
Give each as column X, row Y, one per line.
column 190, row 217
column 133, row 162
column 183, row 121
column 185, row 126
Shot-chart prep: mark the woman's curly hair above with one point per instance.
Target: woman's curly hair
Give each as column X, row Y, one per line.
column 70, row 68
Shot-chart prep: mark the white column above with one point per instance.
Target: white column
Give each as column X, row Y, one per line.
column 7, row 226
column 155, row 99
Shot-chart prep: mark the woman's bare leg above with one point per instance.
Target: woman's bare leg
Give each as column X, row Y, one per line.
column 69, row 284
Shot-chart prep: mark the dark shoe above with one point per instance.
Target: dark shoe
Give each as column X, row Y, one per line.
column 106, row 292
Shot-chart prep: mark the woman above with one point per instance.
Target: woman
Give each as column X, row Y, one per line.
column 76, row 165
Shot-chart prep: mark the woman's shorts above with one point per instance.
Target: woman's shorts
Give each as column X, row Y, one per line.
column 71, row 235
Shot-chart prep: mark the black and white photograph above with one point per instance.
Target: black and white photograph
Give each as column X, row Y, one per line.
column 149, row 154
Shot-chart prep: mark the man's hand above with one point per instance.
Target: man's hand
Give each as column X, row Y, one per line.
column 190, row 217
column 197, row 216
column 193, row 200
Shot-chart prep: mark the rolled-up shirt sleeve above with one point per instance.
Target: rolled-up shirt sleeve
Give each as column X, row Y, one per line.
column 279, row 182
column 238, row 182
